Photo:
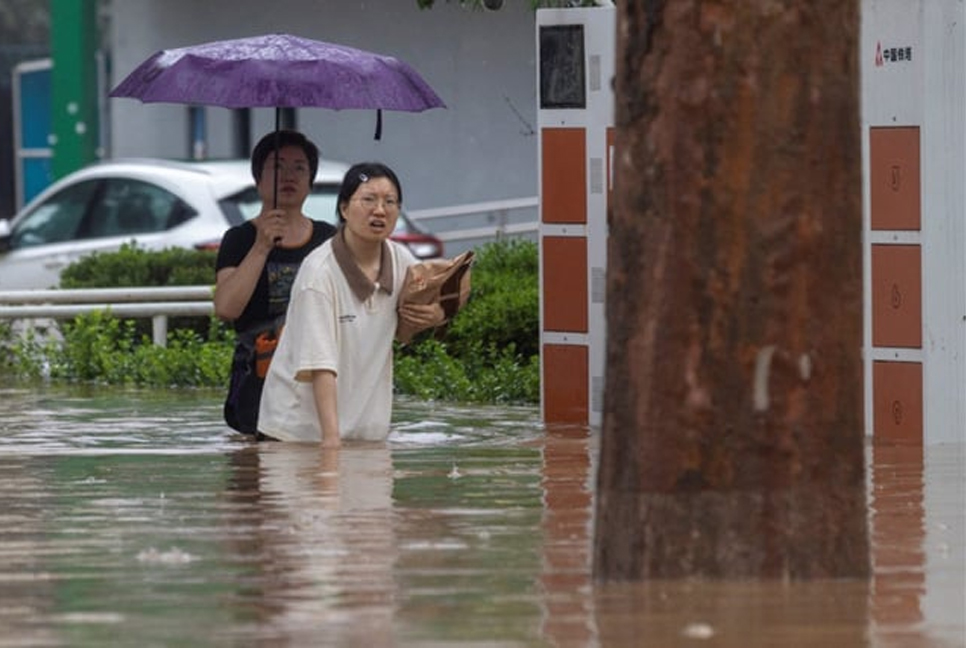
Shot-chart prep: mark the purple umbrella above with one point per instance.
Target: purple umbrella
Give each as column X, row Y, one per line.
column 278, row 70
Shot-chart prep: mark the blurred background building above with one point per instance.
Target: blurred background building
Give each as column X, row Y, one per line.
column 482, row 148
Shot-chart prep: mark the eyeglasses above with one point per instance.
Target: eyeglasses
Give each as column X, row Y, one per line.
column 297, row 169
column 370, row 202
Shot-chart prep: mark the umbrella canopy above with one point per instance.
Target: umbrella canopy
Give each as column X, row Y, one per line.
column 280, row 71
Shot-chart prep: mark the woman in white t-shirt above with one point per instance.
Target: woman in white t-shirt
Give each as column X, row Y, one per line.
column 331, row 375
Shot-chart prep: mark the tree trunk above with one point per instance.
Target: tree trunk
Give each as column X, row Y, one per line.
column 732, row 442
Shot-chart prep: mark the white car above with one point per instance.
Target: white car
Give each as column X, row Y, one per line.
column 156, row 203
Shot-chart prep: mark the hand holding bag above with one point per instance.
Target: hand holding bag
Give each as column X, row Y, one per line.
column 437, row 281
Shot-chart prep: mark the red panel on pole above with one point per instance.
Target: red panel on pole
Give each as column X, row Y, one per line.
column 565, row 383
column 894, row 178
column 897, row 296
column 564, row 284
column 897, row 402
column 563, row 195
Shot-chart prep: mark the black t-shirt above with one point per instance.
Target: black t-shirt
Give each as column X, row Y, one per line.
column 274, row 286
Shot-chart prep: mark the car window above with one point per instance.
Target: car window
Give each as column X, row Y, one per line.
column 246, row 202
column 128, row 206
column 56, row 219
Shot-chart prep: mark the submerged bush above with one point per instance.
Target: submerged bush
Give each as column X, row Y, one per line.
column 495, row 376
column 488, row 354
column 100, row 348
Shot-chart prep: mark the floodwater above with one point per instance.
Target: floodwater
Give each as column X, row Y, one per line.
column 133, row 518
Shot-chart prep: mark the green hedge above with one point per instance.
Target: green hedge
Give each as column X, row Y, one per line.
column 99, row 348
column 488, row 354
column 132, row 266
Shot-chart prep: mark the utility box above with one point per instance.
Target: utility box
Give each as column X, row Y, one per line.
column 575, row 116
column 913, row 103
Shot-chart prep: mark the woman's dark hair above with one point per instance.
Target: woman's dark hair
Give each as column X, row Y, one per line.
column 359, row 174
column 279, row 140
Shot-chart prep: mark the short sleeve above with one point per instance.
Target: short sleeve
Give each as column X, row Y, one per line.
column 235, row 244
column 311, row 322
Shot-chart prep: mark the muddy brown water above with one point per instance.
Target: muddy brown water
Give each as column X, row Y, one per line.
column 135, row 518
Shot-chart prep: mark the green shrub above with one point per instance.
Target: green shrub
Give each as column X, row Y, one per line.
column 97, row 347
column 503, row 308
column 27, row 355
column 132, row 266
column 495, row 375
column 490, row 352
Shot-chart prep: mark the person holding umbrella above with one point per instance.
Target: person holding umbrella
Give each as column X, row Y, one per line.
column 258, row 260
column 331, row 375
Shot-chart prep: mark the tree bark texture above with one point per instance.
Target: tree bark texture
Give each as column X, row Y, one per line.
column 732, row 441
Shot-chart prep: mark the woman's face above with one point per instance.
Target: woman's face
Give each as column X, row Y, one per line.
column 293, row 178
column 372, row 211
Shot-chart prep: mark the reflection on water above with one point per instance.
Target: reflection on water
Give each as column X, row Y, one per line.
column 324, row 542
column 899, row 535
column 567, row 482
column 132, row 518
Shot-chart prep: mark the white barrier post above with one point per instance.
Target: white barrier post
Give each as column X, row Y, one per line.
column 159, row 329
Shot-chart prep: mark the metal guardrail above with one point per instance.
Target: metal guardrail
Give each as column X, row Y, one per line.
column 158, row 303
column 496, row 210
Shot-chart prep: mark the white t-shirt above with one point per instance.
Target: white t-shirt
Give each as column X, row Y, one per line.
column 327, row 327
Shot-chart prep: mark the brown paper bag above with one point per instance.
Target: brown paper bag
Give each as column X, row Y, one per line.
column 442, row 281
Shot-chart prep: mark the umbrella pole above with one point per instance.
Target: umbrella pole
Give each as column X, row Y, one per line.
column 278, row 139
column 278, row 112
